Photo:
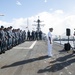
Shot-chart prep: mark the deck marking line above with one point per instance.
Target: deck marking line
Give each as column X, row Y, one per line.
column 26, row 47
column 70, row 73
column 61, row 73
column 32, row 45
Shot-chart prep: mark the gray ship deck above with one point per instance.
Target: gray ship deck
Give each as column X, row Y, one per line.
column 30, row 59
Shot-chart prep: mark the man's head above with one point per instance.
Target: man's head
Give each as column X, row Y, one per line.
column 51, row 29
column 2, row 27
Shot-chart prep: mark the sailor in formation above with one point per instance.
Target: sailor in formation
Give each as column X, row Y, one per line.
column 34, row 35
column 10, row 37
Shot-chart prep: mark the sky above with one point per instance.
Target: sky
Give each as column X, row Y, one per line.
column 59, row 14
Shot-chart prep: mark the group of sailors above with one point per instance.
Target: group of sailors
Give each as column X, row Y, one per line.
column 11, row 37
column 34, row 35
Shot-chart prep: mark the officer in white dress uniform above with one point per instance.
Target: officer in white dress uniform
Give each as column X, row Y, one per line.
column 50, row 42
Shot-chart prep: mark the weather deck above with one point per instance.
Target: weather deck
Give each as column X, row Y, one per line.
column 30, row 58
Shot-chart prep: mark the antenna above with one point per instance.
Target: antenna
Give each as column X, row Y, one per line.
column 38, row 24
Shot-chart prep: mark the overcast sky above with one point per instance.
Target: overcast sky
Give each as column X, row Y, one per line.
column 59, row 14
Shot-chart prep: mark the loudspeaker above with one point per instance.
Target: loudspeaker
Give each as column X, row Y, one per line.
column 68, row 32
column 67, row 46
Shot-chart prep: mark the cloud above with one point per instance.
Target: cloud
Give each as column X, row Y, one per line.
column 58, row 22
column 59, row 11
column 45, row 1
column 51, row 9
column 18, row 3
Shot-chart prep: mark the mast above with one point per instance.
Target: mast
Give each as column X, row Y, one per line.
column 38, row 24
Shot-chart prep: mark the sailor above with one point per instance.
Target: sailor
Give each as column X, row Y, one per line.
column 36, row 35
column 50, row 42
column 28, row 35
column 2, row 40
column 9, row 34
column 8, row 42
column 33, row 35
column 6, row 38
column 40, row 35
column 13, row 37
column 24, row 35
column 17, row 38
